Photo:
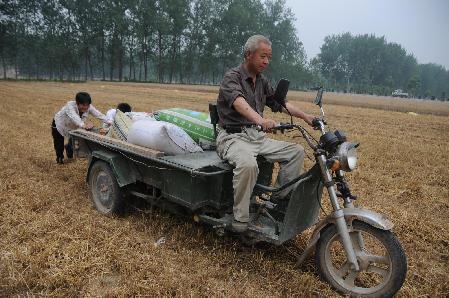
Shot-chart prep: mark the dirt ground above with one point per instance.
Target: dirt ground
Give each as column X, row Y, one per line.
column 54, row 243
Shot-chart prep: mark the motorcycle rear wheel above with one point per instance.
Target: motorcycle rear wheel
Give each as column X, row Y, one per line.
column 381, row 259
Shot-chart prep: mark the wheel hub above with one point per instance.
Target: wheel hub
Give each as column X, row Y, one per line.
column 363, row 262
column 104, row 188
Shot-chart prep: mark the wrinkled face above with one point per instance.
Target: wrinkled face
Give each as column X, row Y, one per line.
column 259, row 60
column 83, row 107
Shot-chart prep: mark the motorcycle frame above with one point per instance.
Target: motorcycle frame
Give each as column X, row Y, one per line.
column 342, row 218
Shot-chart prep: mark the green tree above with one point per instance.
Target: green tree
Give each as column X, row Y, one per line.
column 414, row 85
column 434, row 79
column 289, row 59
column 365, row 63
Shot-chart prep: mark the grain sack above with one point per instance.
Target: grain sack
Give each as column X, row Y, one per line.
column 196, row 124
column 161, row 136
column 120, row 127
column 134, row 116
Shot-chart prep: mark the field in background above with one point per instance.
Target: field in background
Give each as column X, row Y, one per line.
column 53, row 243
column 388, row 103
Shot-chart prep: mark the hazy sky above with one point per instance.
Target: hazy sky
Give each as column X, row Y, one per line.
column 420, row 26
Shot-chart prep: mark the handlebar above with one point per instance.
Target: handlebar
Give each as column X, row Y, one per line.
column 284, row 126
column 316, row 123
column 319, row 124
column 287, row 126
column 305, row 134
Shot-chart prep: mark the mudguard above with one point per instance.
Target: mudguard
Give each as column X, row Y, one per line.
column 125, row 172
column 372, row 218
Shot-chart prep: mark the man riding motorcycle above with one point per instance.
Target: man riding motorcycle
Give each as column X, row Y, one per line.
column 243, row 94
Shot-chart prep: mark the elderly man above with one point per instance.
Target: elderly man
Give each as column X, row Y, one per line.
column 243, row 94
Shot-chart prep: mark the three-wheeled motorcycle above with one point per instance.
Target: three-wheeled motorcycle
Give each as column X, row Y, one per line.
column 356, row 251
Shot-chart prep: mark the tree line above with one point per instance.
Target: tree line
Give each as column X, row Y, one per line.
column 194, row 41
column 184, row 41
column 370, row 64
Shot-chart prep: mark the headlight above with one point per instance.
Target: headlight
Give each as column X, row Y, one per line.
column 347, row 156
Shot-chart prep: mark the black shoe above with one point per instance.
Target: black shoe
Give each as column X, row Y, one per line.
column 239, row 226
column 59, row 160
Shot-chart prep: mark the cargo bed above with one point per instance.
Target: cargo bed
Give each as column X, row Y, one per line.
column 189, row 179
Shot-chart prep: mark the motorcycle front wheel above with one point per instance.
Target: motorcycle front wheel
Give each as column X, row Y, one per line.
column 381, row 259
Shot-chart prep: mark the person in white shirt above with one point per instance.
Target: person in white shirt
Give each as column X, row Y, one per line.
column 72, row 116
column 124, row 107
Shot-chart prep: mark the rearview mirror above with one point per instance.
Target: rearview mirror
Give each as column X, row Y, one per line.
column 281, row 91
column 319, row 97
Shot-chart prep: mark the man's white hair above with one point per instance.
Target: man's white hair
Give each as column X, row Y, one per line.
column 252, row 44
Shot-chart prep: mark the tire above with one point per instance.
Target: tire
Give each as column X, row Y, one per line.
column 382, row 262
column 104, row 190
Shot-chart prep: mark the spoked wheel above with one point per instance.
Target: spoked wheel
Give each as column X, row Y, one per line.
column 381, row 259
column 105, row 192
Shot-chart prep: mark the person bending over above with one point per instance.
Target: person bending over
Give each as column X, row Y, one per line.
column 124, row 107
column 72, row 116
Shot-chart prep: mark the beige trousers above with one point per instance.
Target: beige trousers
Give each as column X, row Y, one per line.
column 241, row 151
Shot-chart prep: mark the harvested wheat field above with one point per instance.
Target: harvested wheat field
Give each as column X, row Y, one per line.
column 54, row 243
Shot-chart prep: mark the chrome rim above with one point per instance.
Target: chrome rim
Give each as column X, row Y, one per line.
column 373, row 259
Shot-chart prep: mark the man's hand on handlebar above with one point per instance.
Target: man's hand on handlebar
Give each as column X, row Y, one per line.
column 309, row 119
column 316, row 123
column 267, row 124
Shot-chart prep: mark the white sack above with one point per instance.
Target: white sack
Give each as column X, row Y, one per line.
column 162, row 136
column 135, row 116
